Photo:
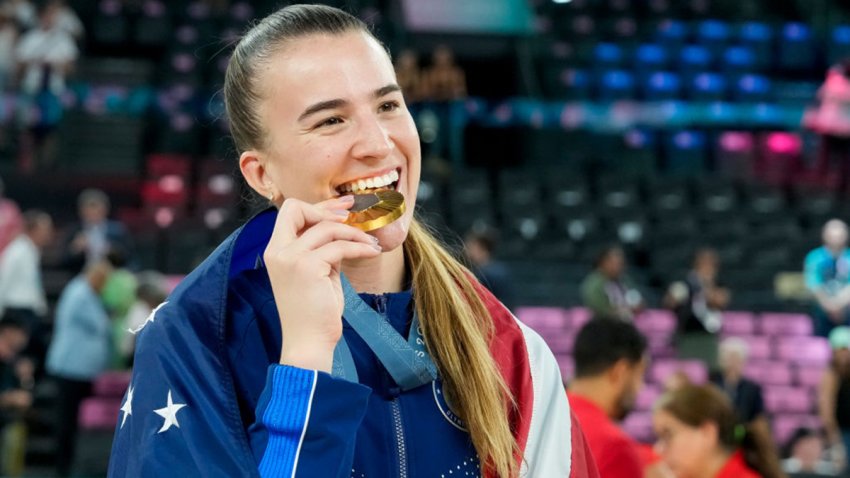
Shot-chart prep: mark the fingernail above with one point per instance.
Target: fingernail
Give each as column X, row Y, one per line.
column 340, row 212
column 347, row 198
column 374, row 239
column 377, row 247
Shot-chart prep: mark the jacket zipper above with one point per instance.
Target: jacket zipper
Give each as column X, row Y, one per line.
column 399, row 438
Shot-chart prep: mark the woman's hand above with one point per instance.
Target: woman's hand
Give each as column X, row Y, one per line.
column 303, row 260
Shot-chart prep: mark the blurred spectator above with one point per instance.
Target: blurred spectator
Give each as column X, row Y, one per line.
column 827, row 275
column 78, row 353
column 16, row 383
column 118, row 296
column 409, row 76
column 21, row 289
column 746, row 395
column 67, row 19
column 834, row 393
column 11, row 221
column 805, row 453
column 45, row 56
column 607, row 291
column 96, row 235
column 698, row 435
column 610, row 359
column 831, row 119
column 444, row 85
column 150, row 293
column 23, row 13
column 478, row 247
column 8, row 37
column 697, row 302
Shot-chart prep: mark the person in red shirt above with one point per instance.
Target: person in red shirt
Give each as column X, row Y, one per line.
column 610, row 359
column 699, row 437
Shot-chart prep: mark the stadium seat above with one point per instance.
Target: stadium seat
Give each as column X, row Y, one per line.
column 660, row 370
column 769, row 373
column 693, row 60
column 685, row 153
column 784, row 425
column 737, row 323
column 706, row 86
column 98, row 413
column 111, row 384
column 838, row 44
column 647, row 397
column 737, row 60
column 567, row 366
column 615, row 85
column 153, row 27
column 544, row 317
column 651, row 57
column 752, row 88
column 785, row 399
column 759, row 347
column 812, row 351
column 796, row 44
column 638, row 425
column 735, row 154
column 759, row 38
column 713, row 35
column 110, row 26
column 661, row 85
column 672, row 33
column 786, row 324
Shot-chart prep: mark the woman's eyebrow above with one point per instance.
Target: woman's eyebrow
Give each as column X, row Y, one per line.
column 338, row 103
column 321, row 106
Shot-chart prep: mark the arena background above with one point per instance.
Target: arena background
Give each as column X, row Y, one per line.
column 662, row 126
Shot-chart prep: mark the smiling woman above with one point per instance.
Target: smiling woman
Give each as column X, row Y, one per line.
column 305, row 346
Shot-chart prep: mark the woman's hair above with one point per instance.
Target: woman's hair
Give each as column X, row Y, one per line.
column 455, row 323
column 695, row 405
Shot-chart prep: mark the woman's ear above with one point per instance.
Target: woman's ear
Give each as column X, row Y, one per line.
column 255, row 172
column 710, row 432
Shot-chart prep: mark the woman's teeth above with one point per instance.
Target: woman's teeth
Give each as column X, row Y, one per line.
column 371, row 183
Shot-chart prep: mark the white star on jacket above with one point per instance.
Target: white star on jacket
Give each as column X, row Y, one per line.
column 150, row 318
column 169, row 413
column 127, row 408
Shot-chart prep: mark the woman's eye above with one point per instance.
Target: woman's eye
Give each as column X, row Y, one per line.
column 329, row 122
column 390, row 106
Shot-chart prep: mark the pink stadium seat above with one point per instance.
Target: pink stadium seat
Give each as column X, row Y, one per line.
column 99, row 413
column 539, row 318
column 739, row 323
column 638, row 425
column 567, row 366
column 785, row 424
column 561, row 343
column 111, row 384
column 694, row 369
column 804, row 350
column 780, row 400
column 579, row 316
column 769, row 373
column 759, row 347
column 656, row 321
column 808, row 377
column 647, row 397
column 786, row 324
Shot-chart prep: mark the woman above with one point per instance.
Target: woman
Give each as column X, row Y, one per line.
column 699, row 437
column 248, row 368
column 834, row 392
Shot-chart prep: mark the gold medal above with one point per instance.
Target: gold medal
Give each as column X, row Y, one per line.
column 375, row 210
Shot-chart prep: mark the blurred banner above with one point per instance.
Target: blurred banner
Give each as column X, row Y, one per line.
column 508, row 17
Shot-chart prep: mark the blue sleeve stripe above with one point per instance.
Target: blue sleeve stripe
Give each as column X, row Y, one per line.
column 286, row 416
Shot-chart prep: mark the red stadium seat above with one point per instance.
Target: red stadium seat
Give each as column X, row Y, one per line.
column 99, row 413
column 804, row 350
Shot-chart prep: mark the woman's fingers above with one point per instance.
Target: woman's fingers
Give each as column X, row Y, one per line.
column 337, row 251
column 296, row 215
column 325, row 232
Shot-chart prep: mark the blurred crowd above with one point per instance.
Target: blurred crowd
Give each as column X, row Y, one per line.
column 93, row 321
column 39, row 47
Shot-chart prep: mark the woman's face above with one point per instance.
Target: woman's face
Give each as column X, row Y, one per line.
column 334, row 116
column 684, row 448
